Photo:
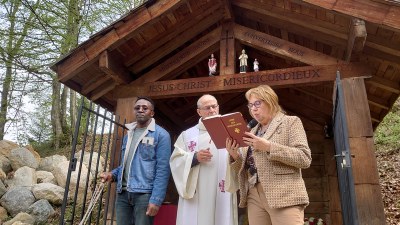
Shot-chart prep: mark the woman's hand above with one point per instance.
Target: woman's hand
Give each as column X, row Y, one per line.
column 232, row 148
column 257, row 143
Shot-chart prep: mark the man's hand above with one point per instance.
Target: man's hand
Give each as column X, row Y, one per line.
column 152, row 209
column 204, row 155
column 106, row 176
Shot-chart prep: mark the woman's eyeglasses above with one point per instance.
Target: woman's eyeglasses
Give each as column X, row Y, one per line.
column 256, row 104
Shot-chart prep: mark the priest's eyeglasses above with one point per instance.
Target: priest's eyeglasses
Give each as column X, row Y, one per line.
column 208, row 107
column 256, row 104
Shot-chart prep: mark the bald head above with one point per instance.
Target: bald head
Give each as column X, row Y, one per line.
column 207, row 105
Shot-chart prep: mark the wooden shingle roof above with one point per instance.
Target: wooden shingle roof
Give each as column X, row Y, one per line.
column 162, row 50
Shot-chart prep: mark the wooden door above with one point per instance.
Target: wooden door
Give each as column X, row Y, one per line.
column 343, row 158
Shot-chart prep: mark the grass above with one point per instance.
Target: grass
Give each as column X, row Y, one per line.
column 387, row 134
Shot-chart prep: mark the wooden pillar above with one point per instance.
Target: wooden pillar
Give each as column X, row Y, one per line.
column 227, row 50
column 335, row 208
column 366, row 179
column 124, row 111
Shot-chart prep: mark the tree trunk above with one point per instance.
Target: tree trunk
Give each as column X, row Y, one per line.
column 63, row 105
column 56, row 114
column 4, row 100
column 59, row 101
column 72, row 110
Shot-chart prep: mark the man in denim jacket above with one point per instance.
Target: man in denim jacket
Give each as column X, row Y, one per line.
column 143, row 174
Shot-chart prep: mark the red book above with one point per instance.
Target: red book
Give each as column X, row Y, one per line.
column 220, row 127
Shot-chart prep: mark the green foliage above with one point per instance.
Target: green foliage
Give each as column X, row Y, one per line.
column 387, row 134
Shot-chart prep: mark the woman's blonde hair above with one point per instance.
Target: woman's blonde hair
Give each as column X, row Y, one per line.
column 267, row 95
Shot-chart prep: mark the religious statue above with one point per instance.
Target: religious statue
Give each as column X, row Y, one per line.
column 212, row 65
column 243, row 62
column 255, row 65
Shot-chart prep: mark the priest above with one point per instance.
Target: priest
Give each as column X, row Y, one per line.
column 200, row 173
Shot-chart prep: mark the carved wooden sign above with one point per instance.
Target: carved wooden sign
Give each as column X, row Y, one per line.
column 240, row 82
column 282, row 48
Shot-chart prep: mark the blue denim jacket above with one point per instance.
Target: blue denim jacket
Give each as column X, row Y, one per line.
column 149, row 169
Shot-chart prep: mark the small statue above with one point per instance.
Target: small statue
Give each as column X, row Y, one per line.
column 255, row 65
column 212, row 65
column 243, row 62
column 320, row 222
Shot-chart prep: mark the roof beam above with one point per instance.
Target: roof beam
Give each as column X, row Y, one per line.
column 311, row 105
column 228, row 13
column 102, row 90
column 239, row 82
column 300, row 20
column 282, row 48
column 310, row 92
column 199, row 20
column 356, row 39
column 384, row 83
column 175, row 42
column 113, row 68
column 89, row 51
column 297, row 27
column 383, row 13
column 93, row 84
column 180, row 58
column 378, row 102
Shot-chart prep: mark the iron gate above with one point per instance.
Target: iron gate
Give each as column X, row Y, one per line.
column 343, row 158
column 96, row 137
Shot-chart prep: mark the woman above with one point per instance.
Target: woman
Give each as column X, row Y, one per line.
column 269, row 170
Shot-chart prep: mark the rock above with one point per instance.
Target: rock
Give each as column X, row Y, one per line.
column 6, row 147
column 60, row 173
column 3, row 175
column 3, row 214
column 86, row 160
column 41, row 210
column 45, row 177
column 21, row 218
column 48, row 163
column 20, row 157
column 50, row 192
column 3, row 189
column 34, row 153
column 24, row 176
column 5, row 164
column 17, row 199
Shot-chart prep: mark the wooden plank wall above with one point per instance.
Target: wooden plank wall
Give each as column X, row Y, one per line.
column 321, row 178
column 366, row 179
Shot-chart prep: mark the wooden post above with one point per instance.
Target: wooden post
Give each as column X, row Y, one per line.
column 124, row 110
column 366, row 179
column 227, row 50
column 335, row 209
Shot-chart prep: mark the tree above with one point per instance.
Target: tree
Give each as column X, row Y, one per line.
column 35, row 35
column 14, row 34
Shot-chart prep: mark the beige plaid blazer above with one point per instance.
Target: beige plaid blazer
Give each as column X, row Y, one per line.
column 279, row 171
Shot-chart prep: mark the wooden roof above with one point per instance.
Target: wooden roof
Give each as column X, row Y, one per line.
column 162, row 49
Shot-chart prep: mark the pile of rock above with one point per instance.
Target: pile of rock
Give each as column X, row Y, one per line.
column 30, row 186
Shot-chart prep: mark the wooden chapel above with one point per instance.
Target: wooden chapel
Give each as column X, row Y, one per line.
column 161, row 50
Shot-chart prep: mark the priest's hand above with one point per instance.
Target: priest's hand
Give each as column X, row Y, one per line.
column 152, row 209
column 204, row 155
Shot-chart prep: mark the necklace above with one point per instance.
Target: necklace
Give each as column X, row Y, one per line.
column 262, row 129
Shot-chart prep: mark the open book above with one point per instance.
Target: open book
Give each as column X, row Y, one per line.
column 230, row 125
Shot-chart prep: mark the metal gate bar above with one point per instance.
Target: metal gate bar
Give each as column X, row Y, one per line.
column 98, row 123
